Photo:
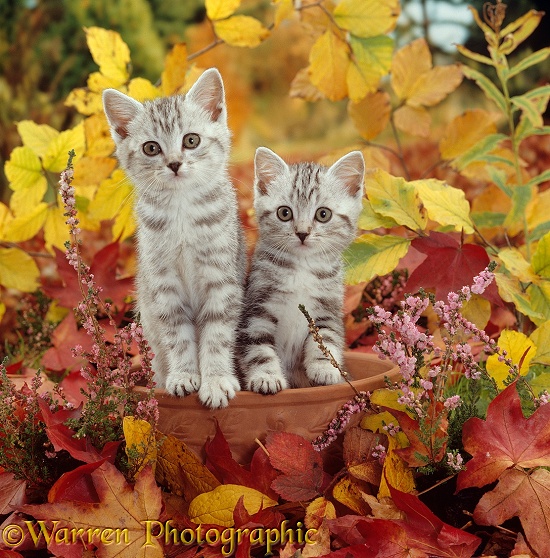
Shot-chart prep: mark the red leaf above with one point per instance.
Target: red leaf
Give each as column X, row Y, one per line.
column 219, row 460
column 76, row 485
column 505, row 439
column 10, row 554
column 62, row 437
column 449, row 266
column 12, row 492
column 72, row 385
column 301, row 465
column 263, row 518
column 103, row 267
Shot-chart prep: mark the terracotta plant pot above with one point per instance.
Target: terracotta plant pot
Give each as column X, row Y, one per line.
column 304, row 411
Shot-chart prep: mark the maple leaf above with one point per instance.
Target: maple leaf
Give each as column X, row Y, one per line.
column 301, row 465
column 121, row 506
column 219, row 460
column 76, row 485
column 504, row 440
column 103, row 268
column 420, row 533
column 267, row 518
column 12, row 492
column 448, row 266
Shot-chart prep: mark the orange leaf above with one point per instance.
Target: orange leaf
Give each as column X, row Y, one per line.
column 413, row 120
column 371, row 115
column 175, row 67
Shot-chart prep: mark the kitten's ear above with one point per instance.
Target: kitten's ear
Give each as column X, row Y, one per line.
column 350, row 172
column 267, row 166
column 120, row 111
column 208, row 93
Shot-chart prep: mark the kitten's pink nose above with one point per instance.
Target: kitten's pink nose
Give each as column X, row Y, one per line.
column 302, row 236
column 175, row 165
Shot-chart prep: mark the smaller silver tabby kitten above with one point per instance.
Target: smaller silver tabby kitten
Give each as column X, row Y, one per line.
column 191, row 254
column 307, row 215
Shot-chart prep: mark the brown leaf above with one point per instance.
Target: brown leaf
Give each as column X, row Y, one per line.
column 180, row 470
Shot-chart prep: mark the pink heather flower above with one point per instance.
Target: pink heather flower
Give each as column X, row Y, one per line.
column 379, row 452
column 482, row 281
column 453, row 402
column 543, row 399
column 455, row 461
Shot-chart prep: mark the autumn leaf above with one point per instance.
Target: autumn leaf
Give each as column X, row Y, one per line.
column 413, row 120
column 520, row 350
column 371, row 115
column 219, row 459
column 328, row 65
column 175, row 67
column 12, row 493
column 110, row 53
column 504, row 440
column 448, row 266
column 121, row 507
column 141, row 444
column 18, row 270
column 301, row 466
column 220, row 9
column 367, row 18
column 371, row 255
column 216, row 507
column 180, row 470
column 241, row 30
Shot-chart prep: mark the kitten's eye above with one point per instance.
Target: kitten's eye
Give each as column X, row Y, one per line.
column 190, row 141
column 323, row 215
column 151, row 148
column 284, row 213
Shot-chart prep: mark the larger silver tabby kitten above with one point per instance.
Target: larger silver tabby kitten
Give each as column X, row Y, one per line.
column 190, row 246
column 307, row 216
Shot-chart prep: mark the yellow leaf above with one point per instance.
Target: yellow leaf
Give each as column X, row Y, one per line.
column 26, row 225
column 241, row 30
column 2, row 310
column 85, row 101
column 519, row 348
column 220, row 9
column 393, row 197
column 97, row 82
column 180, row 470
column 511, row 290
column 5, row 218
column 541, row 210
column 284, row 9
column 541, row 339
column 540, row 301
column 395, row 471
column 141, row 444
column 57, row 154
column 517, row 265
column 89, row 172
column 367, row 18
column 56, row 313
column 56, row 231
column 477, row 310
column 371, row 255
column 371, row 115
column 302, row 87
column 413, row 120
column 371, row 60
column 445, row 205
column 18, row 270
column 329, row 61
column 409, row 62
column 24, row 170
column 385, row 397
column 175, row 68
column 434, row 85
column 541, row 258
column 369, row 219
column 464, row 131
column 348, row 493
column 216, row 507
column 36, row 136
column 99, row 142
column 318, row 510
column 109, row 52
column 114, row 200
column 143, row 90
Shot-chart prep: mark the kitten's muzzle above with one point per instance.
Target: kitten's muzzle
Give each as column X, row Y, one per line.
column 302, row 236
column 174, row 166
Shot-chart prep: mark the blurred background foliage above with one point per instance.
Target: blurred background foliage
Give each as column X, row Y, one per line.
column 43, row 56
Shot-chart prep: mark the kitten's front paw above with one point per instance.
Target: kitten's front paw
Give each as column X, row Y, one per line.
column 322, row 373
column 182, row 383
column 267, row 383
column 217, row 392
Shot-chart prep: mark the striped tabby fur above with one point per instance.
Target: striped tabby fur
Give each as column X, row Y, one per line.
column 307, row 216
column 190, row 245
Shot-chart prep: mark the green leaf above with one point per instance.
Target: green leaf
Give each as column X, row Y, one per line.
column 541, row 258
column 488, row 219
column 510, row 289
column 539, row 231
column 369, row 219
column 521, row 198
column 445, row 205
column 541, row 338
column 393, row 197
column 540, row 302
column 498, row 176
column 480, row 149
column 529, row 110
column 525, row 25
column 371, row 255
column 487, row 86
column 474, row 55
column 542, row 177
column 528, row 61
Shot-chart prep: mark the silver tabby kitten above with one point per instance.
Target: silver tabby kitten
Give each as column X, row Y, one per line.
column 307, row 216
column 190, row 245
